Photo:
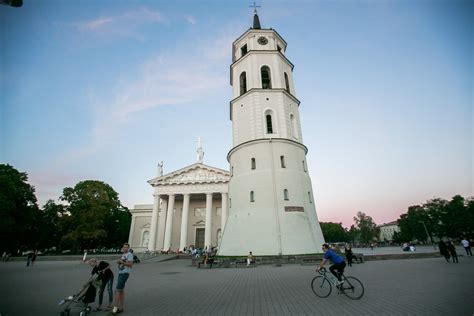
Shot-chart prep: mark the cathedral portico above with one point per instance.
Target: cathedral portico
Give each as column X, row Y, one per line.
column 190, row 206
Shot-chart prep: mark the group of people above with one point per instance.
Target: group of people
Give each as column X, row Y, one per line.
column 105, row 277
column 448, row 250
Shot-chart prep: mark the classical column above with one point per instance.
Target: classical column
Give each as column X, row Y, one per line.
column 154, row 223
column 169, row 223
column 161, row 224
column 184, row 222
column 132, row 231
column 223, row 211
column 208, row 229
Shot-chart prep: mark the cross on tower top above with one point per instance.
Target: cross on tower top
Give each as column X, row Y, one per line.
column 255, row 6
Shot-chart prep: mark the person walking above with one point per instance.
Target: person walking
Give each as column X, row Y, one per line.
column 106, row 277
column 452, row 252
column 467, row 246
column 125, row 264
column 443, row 250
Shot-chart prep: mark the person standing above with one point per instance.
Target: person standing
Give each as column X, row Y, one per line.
column 467, row 246
column 29, row 256
column 33, row 257
column 125, row 264
column 443, row 250
column 452, row 252
column 349, row 254
column 106, row 277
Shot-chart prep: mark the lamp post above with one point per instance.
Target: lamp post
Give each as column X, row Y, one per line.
column 427, row 234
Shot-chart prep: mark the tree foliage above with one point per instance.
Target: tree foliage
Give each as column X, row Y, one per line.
column 366, row 228
column 18, row 210
column 451, row 219
column 91, row 216
column 97, row 218
column 334, row 232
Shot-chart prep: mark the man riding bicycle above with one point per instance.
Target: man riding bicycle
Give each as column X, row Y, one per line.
column 337, row 269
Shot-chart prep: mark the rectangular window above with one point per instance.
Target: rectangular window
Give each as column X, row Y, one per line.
column 282, row 161
column 253, row 164
column 199, row 212
column 243, row 50
column 304, row 166
column 309, row 197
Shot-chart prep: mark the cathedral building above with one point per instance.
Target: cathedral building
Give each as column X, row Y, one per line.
column 265, row 204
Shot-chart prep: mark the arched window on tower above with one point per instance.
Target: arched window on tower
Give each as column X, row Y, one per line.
column 266, row 81
column 285, row 195
column 243, row 83
column 252, row 196
column 287, row 83
column 268, row 118
column 294, row 128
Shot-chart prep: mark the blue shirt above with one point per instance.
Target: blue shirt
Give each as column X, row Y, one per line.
column 331, row 255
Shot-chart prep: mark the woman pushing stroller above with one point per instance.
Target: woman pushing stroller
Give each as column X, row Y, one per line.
column 106, row 278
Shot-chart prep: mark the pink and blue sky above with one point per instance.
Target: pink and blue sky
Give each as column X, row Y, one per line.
column 106, row 89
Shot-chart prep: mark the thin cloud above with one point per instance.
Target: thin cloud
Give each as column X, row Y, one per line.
column 191, row 19
column 168, row 79
column 122, row 24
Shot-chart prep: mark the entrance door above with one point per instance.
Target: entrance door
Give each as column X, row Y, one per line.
column 199, row 238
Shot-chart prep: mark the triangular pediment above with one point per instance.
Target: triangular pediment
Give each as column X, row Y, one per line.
column 199, row 223
column 196, row 173
column 146, row 226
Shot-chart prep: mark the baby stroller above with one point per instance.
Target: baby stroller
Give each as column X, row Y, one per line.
column 81, row 300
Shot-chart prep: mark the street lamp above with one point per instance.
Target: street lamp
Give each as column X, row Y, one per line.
column 427, row 234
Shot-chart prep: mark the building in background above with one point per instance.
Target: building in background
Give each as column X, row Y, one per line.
column 388, row 230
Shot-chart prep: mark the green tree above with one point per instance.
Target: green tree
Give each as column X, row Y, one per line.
column 94, row 207
column 52, row 229
column 368, row 230
column 18, row 210
column 334, row 232
column 411, row 224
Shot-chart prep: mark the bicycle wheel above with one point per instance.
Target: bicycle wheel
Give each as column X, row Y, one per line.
column 353, row 288
column 321, row 286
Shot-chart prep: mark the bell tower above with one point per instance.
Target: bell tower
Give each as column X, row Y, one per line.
column 271, row 203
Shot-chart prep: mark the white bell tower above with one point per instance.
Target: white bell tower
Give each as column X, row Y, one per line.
column 271, row 202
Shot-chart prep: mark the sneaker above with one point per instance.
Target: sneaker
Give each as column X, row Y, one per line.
column 115, row 310
column 339, row 282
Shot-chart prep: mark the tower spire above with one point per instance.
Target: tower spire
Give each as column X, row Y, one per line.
column 256, row 21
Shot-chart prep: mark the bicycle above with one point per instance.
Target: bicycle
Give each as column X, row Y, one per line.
column 322, row 285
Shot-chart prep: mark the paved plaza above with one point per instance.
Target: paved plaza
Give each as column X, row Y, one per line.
column 393, row 287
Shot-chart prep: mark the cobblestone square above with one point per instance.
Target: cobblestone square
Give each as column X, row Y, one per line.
column 392, row 287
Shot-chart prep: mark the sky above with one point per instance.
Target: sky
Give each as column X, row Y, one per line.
column 104, row 90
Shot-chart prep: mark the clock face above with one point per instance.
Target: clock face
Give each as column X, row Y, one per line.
column 262, row 40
